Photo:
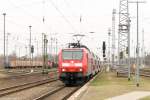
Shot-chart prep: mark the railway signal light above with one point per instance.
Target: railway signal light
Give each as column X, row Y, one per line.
column 32, row 49
column 104, row 48
column 121, row 55
column 126, row 50
column 104, row 55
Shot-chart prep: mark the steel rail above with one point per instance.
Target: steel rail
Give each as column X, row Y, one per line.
column 13, row 89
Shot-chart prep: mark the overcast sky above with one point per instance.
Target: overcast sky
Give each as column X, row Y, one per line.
column 62, row 17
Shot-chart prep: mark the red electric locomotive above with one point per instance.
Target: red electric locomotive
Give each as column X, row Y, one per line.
column 77, row 64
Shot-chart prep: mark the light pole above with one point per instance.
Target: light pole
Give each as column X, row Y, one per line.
column 42, row 49
column 137, row 74
column 30, row 44
column 137, row 48
column 143, row 56
column 7, row 51
column 51, row 51
column 37, row 50
column 56, row 48
column 109, row 46
column 19, row 53
column 45, row 51
column 4, row 14
column 26, row 51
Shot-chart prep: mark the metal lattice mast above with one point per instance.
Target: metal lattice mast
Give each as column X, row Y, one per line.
column 123, row 30
column 113, row 36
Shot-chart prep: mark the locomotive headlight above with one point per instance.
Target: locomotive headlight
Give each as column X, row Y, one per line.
column 63, row 70
column 80, row 69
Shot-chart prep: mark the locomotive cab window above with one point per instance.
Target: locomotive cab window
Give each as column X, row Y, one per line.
column 72, row 54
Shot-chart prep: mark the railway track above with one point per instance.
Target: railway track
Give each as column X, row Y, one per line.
column 60, row 93
column 49, row 94
column 67, row 96
column 21, row 75
column 145, row 73
column 13, row 89
column 26, row 74
column 124, row 72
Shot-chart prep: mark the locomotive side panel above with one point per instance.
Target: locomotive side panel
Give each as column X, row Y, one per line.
column 89, row 64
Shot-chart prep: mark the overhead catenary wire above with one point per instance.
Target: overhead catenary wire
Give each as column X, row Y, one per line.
column 63, row 16
column 72, row 11
column 38, row 19
column 27, row 12
column 24, row 10
column 81, row 17
column 17, row 24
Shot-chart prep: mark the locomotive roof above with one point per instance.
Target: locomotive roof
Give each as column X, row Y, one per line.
column 73, row 48
column 77, row 45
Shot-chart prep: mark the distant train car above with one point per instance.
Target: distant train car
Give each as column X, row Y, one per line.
column 25, row 64
column 76, row 65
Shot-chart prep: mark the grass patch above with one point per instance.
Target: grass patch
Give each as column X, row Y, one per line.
column 109, row 85
column 146, row 98
column 109, row 79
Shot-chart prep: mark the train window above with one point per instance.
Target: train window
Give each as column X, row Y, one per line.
column 72, row 54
